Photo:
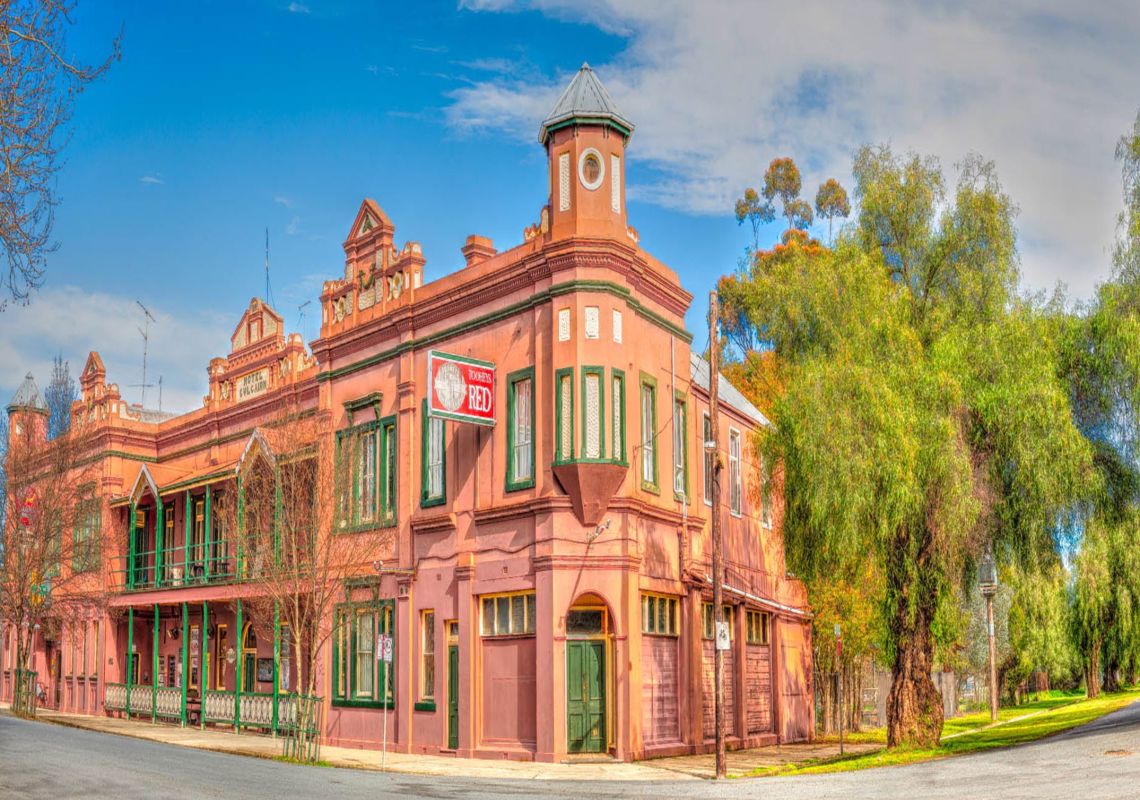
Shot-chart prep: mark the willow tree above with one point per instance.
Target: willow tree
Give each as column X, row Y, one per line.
column 1101, row 363
column 923, row 415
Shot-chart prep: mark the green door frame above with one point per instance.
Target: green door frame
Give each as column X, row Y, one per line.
column 586, row 695
column 453, row 696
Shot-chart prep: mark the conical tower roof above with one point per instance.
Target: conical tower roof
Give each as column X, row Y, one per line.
column 585, row 100
column 28, row 396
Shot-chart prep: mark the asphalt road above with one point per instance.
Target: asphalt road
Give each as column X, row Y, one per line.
column 39, row 760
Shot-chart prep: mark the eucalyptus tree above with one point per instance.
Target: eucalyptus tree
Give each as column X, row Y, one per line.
column 923, row 414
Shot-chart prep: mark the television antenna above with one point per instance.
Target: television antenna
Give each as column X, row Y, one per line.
column 301, row 315
column 145, row 332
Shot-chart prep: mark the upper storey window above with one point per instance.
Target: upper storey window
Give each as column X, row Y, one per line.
column 520, row 429
column 366, row 475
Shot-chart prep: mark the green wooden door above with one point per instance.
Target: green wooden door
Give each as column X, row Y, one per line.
column 453, row 697
column 586, row 696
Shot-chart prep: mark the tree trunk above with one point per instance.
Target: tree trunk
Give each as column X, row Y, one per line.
column 1092, row 673
column 914, row 706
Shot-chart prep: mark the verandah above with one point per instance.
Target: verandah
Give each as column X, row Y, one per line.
column 170, row 696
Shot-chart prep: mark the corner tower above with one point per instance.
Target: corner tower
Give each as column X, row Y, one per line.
column 585, row 137
column 27, row 415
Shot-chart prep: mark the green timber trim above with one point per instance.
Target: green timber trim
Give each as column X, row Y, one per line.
column 185, row 658
column 159, row 529
column 130, row 654
column 387, row 472
column 561, row 396
column 276, row 660
column 539, row 298
column 154, row 668
column 600, row 374
column 574, row 121
column 237, row 672
column 208, row 537
column 187, row 513
column 514, row 484
column 373, row 399
column 618, row 449
column 424, row 705
column 679, row 397
column 475, row 362
column 204, row 673
column 131, row 562
column 647, row 381
column 344, row 614
column 428, row 500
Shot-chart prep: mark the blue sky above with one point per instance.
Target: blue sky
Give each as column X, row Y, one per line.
column 224, row 118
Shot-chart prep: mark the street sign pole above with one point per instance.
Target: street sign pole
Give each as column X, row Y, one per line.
column 385, row 654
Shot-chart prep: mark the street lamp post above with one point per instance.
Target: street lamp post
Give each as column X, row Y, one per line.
column 987, row 580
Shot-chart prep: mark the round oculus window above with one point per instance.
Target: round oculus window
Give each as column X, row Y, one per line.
column 591, row 169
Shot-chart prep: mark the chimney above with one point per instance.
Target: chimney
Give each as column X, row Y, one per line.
column 477, row 250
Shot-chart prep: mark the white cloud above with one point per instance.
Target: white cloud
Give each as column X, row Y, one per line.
column 70, row 321
column 299, row 8
column 294, row 226
column 152, row 180
column 283, row 200
column 719, row 88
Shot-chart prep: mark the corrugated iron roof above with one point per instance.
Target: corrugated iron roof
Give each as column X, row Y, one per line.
column 584, row 98
column 729, row 394
column 28, row 395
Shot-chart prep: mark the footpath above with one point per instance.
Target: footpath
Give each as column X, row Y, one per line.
column 680, row 768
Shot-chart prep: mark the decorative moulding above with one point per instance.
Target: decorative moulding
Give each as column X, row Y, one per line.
column 591, row 486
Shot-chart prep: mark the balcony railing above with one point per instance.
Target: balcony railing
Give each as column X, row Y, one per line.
column 178, row 567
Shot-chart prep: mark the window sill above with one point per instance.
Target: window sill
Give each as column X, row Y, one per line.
column 520, row 486
column 425, row 705
column 363, row 704
column 432, row 502
column 652, row 488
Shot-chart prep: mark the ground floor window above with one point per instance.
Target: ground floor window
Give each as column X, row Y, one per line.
column 361, row 674
column 758, row 626
column 659, row 615
column 507, row 614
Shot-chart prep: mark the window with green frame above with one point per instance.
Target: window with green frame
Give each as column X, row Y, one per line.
column 520, row 429
column 648, row 407
column 593, row 414
column 433, row 459
column 617, row 421
column 86, row 534
column 366, row 472
column 360, row 678
column 680, row 447
column 564, row 422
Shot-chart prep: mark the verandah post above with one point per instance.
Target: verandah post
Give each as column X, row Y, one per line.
column 130, row 654
column 185, row 659
column 276, row 658
column 159, row 527
column 154, row 673
column 238, row 671
column 209, row 541
column 205, row 644
column 241, row 533
column 131, row 550
column 186, row 511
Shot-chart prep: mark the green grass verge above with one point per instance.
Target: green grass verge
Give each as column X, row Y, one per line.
column 1053, row 715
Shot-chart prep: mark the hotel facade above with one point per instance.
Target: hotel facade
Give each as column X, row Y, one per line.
column 529, row 433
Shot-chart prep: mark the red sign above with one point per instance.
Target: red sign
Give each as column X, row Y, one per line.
column 461, row 388
column 28, row 508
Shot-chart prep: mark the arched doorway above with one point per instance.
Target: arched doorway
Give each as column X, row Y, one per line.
column 588, row 676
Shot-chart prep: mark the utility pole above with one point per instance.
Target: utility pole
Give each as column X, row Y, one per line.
column 718, row 609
